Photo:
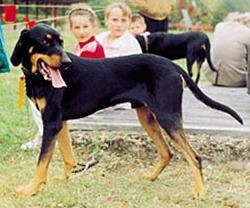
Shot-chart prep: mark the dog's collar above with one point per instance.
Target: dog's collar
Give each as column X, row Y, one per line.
column 146, row 42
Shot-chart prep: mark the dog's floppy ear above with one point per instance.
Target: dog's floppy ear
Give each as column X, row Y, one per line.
column 17, row 53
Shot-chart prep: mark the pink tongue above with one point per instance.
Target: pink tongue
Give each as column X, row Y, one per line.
column 57, row 80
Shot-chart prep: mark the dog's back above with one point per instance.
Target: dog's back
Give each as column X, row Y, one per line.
column 194, row 46
column 172, row 46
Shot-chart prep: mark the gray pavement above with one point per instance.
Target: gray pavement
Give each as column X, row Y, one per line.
column 197, row 117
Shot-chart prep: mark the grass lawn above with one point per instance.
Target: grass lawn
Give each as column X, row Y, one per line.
column 116, row 181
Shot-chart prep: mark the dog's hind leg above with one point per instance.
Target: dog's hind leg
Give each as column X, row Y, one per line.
column 191, row 57
column 179, row 139
column 199, row 63
column 65, row 146
column 152, row 127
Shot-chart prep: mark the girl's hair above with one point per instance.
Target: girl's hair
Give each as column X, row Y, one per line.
column 138, row 18
column 82, row 9
column 121, row 5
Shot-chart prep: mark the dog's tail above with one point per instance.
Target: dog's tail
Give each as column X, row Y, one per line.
column 208, row 55
column 205, row 99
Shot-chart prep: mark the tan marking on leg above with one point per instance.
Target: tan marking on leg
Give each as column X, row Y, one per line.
column 179, row 139
column 198, row 64
column 203, row 46
column 65, row 146
column 41, row 103
column 184, row 84
column 40, row 176
column 152, row 127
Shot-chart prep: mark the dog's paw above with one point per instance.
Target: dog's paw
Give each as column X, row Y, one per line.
column 196, row 194
column 150, row 177
column 28, row 190
column 61, row 177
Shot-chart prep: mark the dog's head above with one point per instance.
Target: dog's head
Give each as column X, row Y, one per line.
column 40, row 50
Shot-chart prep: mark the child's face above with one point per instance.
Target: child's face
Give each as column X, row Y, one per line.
column 82, row 28
column 117, row 23
column 136, row 28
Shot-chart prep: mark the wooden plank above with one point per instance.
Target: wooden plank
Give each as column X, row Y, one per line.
column 196, row 115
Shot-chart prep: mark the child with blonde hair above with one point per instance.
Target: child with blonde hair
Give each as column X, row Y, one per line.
column 138, row 25
column 83, row 23
column 118, row 41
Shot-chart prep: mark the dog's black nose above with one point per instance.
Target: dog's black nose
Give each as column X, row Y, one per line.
column 66, row 61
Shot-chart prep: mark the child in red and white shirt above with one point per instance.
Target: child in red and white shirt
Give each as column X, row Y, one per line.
column 83, row 23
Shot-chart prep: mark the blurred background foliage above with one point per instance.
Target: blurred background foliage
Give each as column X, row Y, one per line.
column 201, row 11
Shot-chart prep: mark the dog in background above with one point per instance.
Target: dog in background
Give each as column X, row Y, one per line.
column 194, row 46
column 64, row 86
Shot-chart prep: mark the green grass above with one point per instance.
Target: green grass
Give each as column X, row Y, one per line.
column 116, row 181
column 14, row 122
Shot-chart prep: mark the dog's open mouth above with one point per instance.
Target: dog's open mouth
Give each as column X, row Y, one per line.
column 52, row 74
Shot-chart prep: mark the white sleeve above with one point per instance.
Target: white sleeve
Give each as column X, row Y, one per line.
column 130, row 46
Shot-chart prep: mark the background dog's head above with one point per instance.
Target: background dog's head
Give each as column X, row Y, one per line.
column 40, row 50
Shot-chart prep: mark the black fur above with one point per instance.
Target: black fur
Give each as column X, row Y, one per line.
column 93, row 84
column 194, row 46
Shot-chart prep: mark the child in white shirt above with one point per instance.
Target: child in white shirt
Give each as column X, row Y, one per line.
column 118, row 41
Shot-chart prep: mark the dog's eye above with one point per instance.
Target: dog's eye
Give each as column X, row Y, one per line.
column 60, row 41
column 46, row 42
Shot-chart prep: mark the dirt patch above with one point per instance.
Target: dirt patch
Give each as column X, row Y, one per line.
column 214, row 148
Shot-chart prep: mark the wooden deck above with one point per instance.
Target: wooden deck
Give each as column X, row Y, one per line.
column 196, row 115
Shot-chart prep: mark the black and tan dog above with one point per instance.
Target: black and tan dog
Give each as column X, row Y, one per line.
column 64, row 86
column 194, row 46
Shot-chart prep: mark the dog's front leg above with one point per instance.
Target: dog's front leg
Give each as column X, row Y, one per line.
column 40, row 176
column 65, row 146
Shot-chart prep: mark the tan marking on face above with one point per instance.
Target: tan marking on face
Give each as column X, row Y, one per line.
column 203, row 46
column 53, row 61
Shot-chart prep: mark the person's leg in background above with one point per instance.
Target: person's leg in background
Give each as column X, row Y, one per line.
column 156, row 25
column 37, row 141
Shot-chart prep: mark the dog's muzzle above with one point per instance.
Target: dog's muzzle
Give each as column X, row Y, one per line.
column 66, row 61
